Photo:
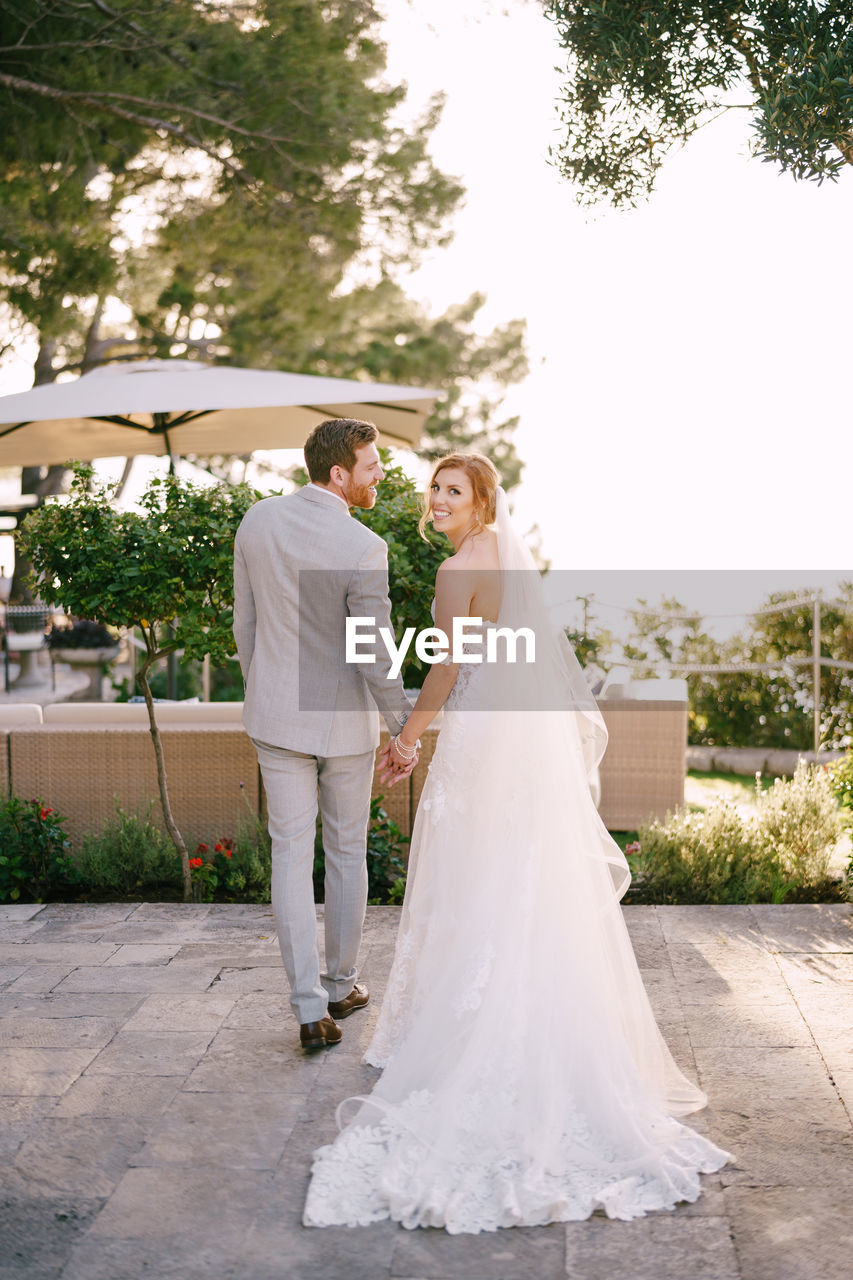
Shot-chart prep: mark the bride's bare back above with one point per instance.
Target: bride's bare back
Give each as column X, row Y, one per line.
column 477, row 559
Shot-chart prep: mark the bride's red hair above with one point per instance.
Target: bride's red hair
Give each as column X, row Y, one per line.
column 485, row 480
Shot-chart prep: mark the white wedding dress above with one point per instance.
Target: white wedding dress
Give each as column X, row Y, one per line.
column 525, row 1078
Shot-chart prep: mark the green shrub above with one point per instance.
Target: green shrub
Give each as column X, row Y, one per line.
column 386, row 869
column 799, row 821
column 34, row 857
column 720, row 856
column 703, row 858
column 226, row 682
column 130, row 857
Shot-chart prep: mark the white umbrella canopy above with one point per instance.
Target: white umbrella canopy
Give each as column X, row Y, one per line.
column 179, row 407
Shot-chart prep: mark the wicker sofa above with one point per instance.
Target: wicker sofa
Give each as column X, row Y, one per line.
column 84, row 758
column 643, row 770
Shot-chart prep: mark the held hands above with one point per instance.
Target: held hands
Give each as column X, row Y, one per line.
column 396, row 763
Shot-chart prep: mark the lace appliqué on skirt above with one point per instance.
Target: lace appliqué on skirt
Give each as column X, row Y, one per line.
column 391, row 1170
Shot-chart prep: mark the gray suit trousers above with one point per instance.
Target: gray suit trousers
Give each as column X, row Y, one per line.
column 292, row 781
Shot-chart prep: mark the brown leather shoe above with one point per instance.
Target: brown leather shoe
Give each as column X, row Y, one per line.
column 356, row 999
column 318, row 1035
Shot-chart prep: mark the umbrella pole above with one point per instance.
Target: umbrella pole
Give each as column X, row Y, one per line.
column 168, row 444
column 161, row 427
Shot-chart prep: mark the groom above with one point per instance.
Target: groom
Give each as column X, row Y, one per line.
column 302, row 564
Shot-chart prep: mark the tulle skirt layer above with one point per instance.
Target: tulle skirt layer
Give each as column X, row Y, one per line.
column 525, row 1078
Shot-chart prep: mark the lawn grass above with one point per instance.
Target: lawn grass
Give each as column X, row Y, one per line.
column 701, row 788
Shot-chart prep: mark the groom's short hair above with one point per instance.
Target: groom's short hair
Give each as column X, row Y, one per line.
column 333, row 443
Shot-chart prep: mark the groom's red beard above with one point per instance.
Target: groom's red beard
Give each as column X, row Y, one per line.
column 361, row 495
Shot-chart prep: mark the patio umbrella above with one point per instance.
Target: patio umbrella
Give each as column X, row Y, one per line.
column 179, row 407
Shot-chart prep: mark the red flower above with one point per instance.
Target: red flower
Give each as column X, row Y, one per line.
column 217, row 848
column 43, row 813
column 196, row 862
column 201, row 848
column 227, row 853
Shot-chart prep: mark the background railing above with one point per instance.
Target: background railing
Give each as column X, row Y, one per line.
column 783, row 665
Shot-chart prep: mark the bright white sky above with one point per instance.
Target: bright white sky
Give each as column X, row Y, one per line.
column 688, row 405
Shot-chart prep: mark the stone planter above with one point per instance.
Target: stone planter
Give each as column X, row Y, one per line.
column 25, row 626
column 90, row 662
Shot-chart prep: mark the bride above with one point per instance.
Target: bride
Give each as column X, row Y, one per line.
column 525, row 1078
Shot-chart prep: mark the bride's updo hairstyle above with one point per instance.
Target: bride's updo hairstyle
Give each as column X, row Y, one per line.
column 484, row 479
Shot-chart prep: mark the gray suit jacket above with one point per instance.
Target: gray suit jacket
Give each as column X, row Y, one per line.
column 302, row 564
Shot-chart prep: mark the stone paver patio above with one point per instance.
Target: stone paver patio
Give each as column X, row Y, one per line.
column 158, row 1117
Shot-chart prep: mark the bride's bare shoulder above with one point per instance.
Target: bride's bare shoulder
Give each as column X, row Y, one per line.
column 480, row 553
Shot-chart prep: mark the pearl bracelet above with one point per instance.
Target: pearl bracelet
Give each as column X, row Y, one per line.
column 408, row 753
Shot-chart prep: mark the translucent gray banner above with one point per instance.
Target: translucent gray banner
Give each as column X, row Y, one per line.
column 505, row 650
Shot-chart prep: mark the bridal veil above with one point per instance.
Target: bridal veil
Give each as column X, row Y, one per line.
column 525, row 1078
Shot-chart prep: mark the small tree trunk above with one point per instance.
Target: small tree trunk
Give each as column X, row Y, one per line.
column 165, row 804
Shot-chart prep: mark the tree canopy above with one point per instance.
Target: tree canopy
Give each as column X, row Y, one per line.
column 274, row 109
column 643, row 76
column 236, row 175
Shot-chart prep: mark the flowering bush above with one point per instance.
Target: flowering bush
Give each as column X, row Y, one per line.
column 840, row 774
column 800, row 823
column 782, row 854
column 34, row 859
column 211, row 869
column 132, row 857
